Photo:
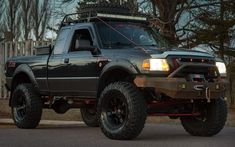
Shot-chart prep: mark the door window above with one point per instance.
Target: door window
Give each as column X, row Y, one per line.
column 81, row 38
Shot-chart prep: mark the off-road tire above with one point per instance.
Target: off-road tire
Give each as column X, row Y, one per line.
column 214, row 122
column 105, row 8
column 31, row 109
column 135, row 110
column 90, row 119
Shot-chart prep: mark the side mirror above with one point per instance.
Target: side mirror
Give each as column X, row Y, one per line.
column 84, row 45
column 43, row 50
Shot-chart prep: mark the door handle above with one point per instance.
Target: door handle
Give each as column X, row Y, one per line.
column 66, row 60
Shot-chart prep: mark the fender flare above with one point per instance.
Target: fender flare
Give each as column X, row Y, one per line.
column 24, row 68
column 121, row 64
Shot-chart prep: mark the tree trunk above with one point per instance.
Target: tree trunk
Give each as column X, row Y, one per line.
column 167, row 13
column 26, row 11
column 222, row 36
column 154, row 8
column 12, row 19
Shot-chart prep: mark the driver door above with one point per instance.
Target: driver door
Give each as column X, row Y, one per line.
column 81, row 76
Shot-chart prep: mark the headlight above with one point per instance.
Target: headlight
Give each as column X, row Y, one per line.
column 222, row 68
column 155, row 65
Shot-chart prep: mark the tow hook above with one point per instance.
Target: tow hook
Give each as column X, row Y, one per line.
column 207, row 91
column 208, row 94
column 199, row 87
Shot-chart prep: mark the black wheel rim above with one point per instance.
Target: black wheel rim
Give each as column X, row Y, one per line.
column 115, row 110
column 20, row 108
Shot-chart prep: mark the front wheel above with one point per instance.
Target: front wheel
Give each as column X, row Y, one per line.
column 26, row 107
column 122, row 111
column 212, row 119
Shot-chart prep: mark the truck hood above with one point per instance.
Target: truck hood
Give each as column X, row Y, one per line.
column 164, row 52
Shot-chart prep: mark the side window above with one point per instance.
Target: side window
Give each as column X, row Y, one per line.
column 81, row 38
column 60, row 41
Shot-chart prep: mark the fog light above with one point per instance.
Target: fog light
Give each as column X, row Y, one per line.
column 183, row 86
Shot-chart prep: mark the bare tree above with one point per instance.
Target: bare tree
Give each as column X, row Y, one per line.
column 1, row 17
column 168, row 13
column 2, row 4
column 26, row 16
column 41, row 15
column 10, row 20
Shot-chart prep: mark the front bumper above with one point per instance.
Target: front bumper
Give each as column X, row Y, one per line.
column 179, row 88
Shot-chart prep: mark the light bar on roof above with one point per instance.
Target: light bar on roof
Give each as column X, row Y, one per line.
column 122, row 17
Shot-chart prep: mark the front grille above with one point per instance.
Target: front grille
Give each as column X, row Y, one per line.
column 207, row 71
column 196, row 60
column 175, row 62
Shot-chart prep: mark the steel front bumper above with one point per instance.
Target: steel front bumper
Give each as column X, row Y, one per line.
column 179, row 88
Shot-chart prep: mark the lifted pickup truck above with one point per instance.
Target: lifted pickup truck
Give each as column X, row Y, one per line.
column 118, row 70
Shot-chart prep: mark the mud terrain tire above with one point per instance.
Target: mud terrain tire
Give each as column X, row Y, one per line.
column 122, row 111
column 212, row 123
column 26, row 107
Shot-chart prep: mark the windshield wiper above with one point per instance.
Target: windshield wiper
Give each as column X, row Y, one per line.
column 148, row 45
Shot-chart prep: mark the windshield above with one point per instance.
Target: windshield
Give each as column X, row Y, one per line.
column 125, row 34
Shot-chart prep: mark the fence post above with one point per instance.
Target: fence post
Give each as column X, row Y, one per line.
column 27, row 47
column 5, row 51
column 1, row 69
column 21, row 50
column 31, row 48
column 11, row 49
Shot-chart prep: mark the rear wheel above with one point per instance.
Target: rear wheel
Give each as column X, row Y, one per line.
column 26, row 107
column 212, row 119
column 122, row 111
column 89, row 116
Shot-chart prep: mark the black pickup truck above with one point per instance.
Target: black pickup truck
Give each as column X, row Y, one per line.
column 117, row 70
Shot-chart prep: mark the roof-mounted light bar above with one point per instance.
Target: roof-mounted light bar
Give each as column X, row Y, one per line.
column 122, row 17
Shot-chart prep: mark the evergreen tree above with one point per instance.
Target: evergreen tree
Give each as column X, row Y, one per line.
column 214, row 26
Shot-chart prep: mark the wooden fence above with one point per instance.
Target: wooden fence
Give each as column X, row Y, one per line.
column 11, row 49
